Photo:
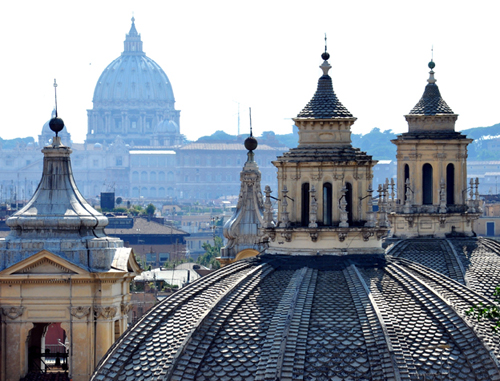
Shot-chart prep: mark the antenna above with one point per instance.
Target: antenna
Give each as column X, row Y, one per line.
column 250, row 112
column 325, row 42
column 432, row 53
column 55, row 94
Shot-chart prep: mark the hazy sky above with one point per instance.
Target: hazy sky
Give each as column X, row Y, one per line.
column 263, row 54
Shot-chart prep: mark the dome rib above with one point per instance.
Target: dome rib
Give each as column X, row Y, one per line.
column 376, row 332
column 139, row 339
column 274, row 316
column 462, row 335
column 209, row 325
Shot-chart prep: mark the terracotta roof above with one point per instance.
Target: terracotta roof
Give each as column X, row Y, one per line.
column 143, row 226
column 324, row 104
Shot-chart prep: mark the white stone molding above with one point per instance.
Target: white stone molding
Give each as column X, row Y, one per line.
column 313, row 208
column 268, row 208
column 342, row 207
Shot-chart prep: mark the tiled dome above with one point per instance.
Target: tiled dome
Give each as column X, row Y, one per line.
column 363, row 317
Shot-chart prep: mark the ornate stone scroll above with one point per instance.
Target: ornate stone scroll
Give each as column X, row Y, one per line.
column 13, row 312
column 80, row 311
column 105, row 312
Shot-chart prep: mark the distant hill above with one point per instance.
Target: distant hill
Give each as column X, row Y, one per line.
column 376, row 142
column 480, row 132
column 12, row 143
column 477, row 150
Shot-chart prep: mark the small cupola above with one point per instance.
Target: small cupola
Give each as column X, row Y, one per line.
column 434, row 197
column 325, row 195
column 133, row 42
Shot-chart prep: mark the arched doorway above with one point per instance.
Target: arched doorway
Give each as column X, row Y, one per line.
column 427, row 184
column 47, row 349
column 450, row 184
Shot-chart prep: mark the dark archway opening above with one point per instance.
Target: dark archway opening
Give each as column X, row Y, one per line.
column 47, row 350
column 407, row 178
column 450, row 184
column 427, row 184
column 327, row 204
column 348, row 198
column 305, row 205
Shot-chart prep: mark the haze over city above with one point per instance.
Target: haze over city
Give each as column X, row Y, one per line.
column 221, row 53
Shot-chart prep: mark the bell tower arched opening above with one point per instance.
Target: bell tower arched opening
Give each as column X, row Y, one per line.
column 427, row 184
column 348, row 198
column 406, row 177
column 327, row 204
column 305, row 205
column 450, row 184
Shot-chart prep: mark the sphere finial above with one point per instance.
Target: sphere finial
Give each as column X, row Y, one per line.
column 250, row 142
column 56, row 124
column 325, row 55
column 432, row 65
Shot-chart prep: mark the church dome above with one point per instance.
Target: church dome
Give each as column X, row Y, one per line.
column 167, row 127
column 133, row 77
column 325, row 317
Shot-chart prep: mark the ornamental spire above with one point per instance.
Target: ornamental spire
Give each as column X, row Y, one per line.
column 133, row 43
column 431, row 102
column 324, row 104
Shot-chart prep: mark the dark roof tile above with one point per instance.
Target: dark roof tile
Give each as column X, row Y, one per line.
column 431, row 102
column 324, row 104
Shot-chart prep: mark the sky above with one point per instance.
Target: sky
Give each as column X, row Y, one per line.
column 221, row 55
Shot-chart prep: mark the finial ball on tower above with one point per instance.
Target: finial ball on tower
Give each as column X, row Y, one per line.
column 325, row 56
column 56, row 124
column 432, row 65
column 251, row 143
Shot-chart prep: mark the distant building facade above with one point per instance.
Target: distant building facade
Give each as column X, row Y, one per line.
column 135, row 148
column 154, row 242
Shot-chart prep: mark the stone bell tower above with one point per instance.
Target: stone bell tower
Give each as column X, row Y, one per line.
column 325, row 195
column 434, row 197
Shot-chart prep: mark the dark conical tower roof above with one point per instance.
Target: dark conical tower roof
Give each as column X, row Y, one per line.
column 324, row 104
column 431, row 102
